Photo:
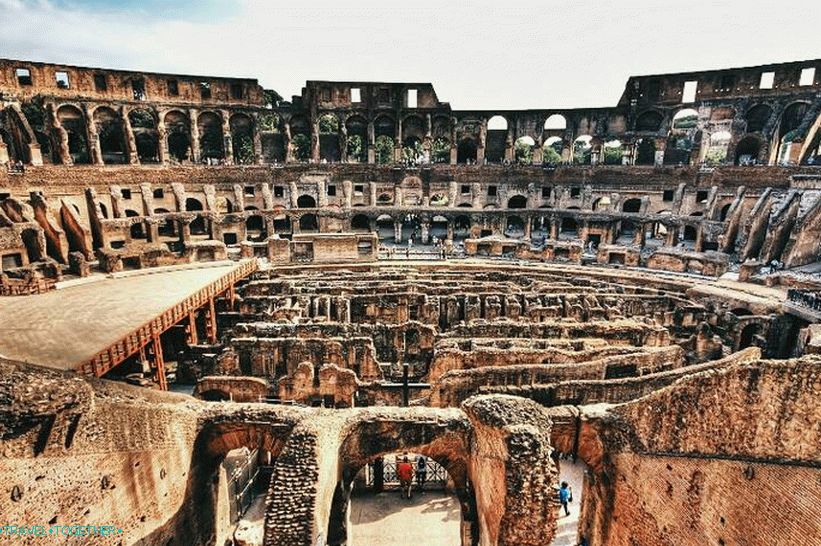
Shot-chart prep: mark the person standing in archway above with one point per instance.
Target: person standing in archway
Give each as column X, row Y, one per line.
column 404, row 470
column 421, row 472
column 565, row 497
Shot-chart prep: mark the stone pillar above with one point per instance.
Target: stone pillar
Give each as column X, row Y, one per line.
column 64, row 151
column 315, row 142
column 527, row 228
column 93, row 139
column 371, row 142
column 638, row 238
column 372, row 189
column 133, row 158
column 258, row 158
column 397, row 232
column 343, row 142
column 195, row 136
column 321, row 194
column 286, row 137
column 672, row 236
column 509, row 151
column 227, row 140
column 450, row 232
column 425, row 233
column 162, row 138
column 554, row 229
column 347, row 192
column 192, row 336
column 4, row 154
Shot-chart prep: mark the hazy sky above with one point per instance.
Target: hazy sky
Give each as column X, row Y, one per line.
column 478, row 54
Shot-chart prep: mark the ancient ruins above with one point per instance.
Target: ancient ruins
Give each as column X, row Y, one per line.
column 206, row 289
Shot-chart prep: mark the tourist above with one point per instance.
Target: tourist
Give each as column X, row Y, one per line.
column 565, row 497
column 421, row 471
column 404, row 471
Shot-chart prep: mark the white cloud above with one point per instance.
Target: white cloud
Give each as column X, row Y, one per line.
column 478, row 54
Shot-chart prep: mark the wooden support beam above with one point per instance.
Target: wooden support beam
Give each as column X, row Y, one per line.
column 159, row 363
column 191, row 330
column 212, row 321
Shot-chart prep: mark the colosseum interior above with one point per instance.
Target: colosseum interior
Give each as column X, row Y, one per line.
column 225, row 316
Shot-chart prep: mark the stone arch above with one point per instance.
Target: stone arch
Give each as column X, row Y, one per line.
column 356, row 128
column 308, row 223
column 212, row 142
column 517, row 202
column 749, row 149
column 255, row 228
column 523, row 150
column 242, row 138
column 514, row 226
column 645, row 152
column 758, row 117
column 466, row 150
column 178, row 129
column 569, row 228
column 649, row 121
column 555, row 122
column 146, row 137
column 583, row 150
column 684, row 119
column 329, row 138
column 632, row 205
column 496, row 139
column 300, row 138
column 306, row 201
column 360, row 222
column 111, row 135
column 73, row 123
column 790, row 130
column 552, row 150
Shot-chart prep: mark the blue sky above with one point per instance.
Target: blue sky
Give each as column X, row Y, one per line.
column 477, row 53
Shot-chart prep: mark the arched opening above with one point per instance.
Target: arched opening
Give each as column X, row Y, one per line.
column 439, row 227
column 198, row 225
column 73, row 122
column 568, row 229
column 179, row 141
column 383, row 149
column 466, row 151
column 242, row 139
column 270, row 134
column 523, row 150
column 678, row 150
column 627, row 232
column 384, row 129
column 685, row 119
column 649, row 121
column 790, row 134
column 632, row 205
column 144, row 126
column 552, row 150
column 440, row 150
column 385, row 228
column 306, row 202
column 555, row 122
column 717, row 151
column 31, row 240
column 329, row 138
column 646, row 152
column 379, row 512
column 461, row 227
column 613, row 152
column 357, row 139
column 758, row 117
column 212, row 143
column 496, row 140
column 360, row 222
column 583, row 150
column 412, row 152
column 282, row 224
column 690, row 234
column 308, row 223
column 748, row 151
column 300, row 139
column 255, row 229
column 725, row 210
column 517, row 202
column 515, row 227
column 748, row 335
column 111, row 135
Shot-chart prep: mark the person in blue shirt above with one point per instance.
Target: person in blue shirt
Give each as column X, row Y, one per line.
column 565, row 496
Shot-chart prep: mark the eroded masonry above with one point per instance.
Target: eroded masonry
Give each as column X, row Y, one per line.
column 363, row 272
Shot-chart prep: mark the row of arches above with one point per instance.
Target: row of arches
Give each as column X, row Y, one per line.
column 151, row 131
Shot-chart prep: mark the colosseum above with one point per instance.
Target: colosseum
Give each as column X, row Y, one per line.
column 231, row 318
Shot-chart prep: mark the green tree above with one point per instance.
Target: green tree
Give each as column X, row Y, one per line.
column 384, row 149
column 272, row 98
column 356, row 149
column 551, row 156
column 302, row 147
column 440, row 151
column 523, row 152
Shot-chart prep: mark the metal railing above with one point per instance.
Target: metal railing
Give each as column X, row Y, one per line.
column 436, row 477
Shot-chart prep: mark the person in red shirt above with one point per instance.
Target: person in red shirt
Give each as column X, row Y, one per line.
column 405, row 472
